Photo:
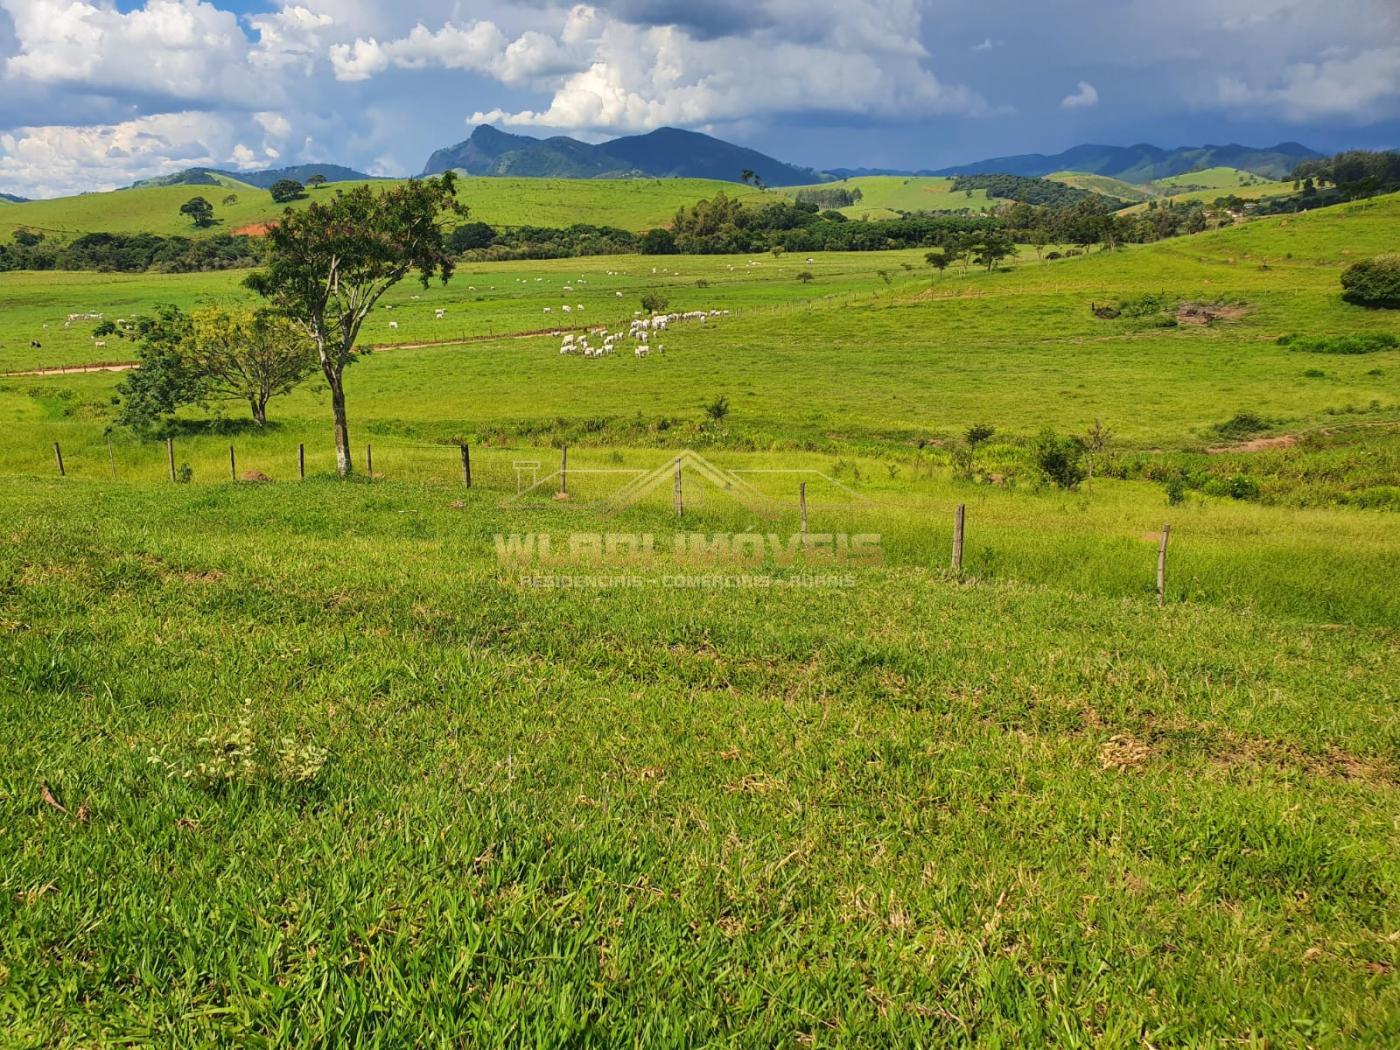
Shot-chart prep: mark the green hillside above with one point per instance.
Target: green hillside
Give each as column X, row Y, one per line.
column 1104, row 184
column 885, row 196
column 634, row 204
column 1215, row 179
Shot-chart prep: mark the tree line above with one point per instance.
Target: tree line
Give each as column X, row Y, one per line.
column 129, row 252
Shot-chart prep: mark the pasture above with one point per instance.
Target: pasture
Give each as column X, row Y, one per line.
column 301, row 761
column 631, row 204
column 886, row 196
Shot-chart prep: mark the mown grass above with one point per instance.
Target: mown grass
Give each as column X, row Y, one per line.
column 909, row 811
column 632, row 204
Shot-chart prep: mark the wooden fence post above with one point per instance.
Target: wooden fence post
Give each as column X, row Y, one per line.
column 112, row 457
column 564, row 471
column 170, row 455
column 232, row 465
column 466, row 465
column 369, row 460
column 1162, row 566
column 680, row 499
column 802, row 502
column 58, row 455
column 959, row 521
column 301, row 461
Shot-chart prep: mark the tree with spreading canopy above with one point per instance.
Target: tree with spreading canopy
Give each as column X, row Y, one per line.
column 216, row 353
column 246, row 355
column 330, row 264
column 285, row 190
column 200, row 211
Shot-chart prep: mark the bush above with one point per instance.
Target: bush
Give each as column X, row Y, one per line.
column 1060, row 459
column 1374, row 283
column 1241, row 425
column 1367, row 343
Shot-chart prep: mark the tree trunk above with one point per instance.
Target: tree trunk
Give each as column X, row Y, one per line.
column 259, row 406
column 342, row 430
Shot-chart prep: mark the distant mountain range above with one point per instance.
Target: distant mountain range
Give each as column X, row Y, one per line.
column 664, row 153
column 261, row 179
column 673, row 153
column 10, row 198
column 1143, row 163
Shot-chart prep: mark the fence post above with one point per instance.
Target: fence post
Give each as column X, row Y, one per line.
column 1162, row 566
column 564, row 471
column 802, row 502
column 112, row 457
column 369, row 460
column 232, row 465
column 680, row 500
column 301, row 461
column 466, row 465
column 58, row 455
column 170, row 455
column 959, row 521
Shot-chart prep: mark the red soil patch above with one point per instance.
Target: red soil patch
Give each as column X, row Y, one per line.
column 253, row 229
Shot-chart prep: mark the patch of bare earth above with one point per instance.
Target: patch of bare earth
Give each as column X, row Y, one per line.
column 1208, row 313
column 1264, row 444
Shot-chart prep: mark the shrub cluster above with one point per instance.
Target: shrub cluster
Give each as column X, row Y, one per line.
column 1374, row 283
column 1366, row 343
column 131, row 253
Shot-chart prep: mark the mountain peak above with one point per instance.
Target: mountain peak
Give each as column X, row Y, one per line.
column 663, row 153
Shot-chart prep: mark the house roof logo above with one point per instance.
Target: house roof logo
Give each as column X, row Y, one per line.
column 689, row 465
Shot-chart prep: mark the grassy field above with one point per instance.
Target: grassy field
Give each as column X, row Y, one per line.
column 304, row 763
column 1217, row 179
column 633, row 204
column 1104, row 184
column 886, row 196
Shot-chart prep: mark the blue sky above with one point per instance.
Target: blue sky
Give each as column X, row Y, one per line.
column 96, row 93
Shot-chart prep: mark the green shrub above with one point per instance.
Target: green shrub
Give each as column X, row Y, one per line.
column 1364, row 343
column 1374, row 283
column 1241, row 425
column 1060, row 459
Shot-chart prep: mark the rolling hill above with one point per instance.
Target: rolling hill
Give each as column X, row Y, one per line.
column 633, row 204
column 261, row 179
column 1145, row 163
column 1105, row 185
column 886, row 196
column 664, row 153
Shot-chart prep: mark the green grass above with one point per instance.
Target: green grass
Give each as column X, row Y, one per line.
column 729, row 817
column 1217, row 179
column 1105, row 185
column 634, row 204
column 331, row 774
column 886, row 196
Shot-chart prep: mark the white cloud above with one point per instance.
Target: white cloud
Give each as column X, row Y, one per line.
column 48, row 161
column 1364, row 86
column 1086, row 97
column 862, row 59
column 180, row 49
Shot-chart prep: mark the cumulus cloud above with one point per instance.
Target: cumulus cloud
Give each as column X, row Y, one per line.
column 617, row 75
column 1357, row 88
column 180, row 49
column 49, row 161
column 1086, row 97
